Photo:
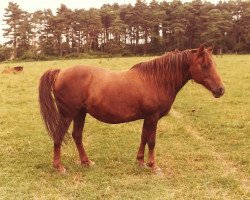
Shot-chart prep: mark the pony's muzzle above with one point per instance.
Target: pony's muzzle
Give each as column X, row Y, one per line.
column 219, row 92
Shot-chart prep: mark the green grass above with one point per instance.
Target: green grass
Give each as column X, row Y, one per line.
column 203, row 145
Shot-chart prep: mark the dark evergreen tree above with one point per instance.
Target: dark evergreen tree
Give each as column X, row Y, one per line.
column 13, row 17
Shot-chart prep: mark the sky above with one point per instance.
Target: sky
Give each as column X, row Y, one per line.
column 33, row 5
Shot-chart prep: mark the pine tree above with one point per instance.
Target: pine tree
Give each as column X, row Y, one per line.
column 13, row 16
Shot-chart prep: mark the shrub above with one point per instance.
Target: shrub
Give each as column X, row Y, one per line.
column 5, row 53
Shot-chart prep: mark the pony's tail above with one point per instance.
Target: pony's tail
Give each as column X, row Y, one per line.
column 53, row 120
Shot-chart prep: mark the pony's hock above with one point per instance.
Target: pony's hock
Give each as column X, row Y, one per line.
column 146, row 91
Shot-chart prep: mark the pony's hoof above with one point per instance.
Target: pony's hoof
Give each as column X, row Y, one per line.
column 158, row 172
column 60, row 169
column 88, row 163
column 143, row 165
column 91, row 163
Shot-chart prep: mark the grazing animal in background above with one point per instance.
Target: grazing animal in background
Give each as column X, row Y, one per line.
column 13, row 70
column 146, row 91
column 18, row 68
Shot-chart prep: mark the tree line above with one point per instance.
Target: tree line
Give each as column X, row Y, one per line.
column 126, row 29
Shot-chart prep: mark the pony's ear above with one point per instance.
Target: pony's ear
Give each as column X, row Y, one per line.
column 201, row 49
column 210, row 49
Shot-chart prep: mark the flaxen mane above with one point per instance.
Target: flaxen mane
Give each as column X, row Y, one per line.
column 168, row 69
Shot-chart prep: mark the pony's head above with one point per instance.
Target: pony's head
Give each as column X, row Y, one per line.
column 203, row 71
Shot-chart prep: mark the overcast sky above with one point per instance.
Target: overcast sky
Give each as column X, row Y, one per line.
column 33, row 5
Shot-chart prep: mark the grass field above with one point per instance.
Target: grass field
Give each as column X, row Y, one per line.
column 203, row 145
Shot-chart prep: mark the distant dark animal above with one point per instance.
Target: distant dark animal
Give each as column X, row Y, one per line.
column 18, row 68
column 146, row 91
column 13, row 70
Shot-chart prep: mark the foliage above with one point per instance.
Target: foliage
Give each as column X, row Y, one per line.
column 141, row 29
column 112, row 47
column 5, row 53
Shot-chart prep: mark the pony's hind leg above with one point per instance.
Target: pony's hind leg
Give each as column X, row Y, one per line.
column 78, row 126
column 57, row 149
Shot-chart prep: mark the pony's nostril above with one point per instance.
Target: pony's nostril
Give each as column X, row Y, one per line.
column 221, row 90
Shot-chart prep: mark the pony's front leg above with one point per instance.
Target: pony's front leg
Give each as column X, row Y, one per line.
column 149, row 127
column 140, row 154
column 148, row 137
column 151, row 154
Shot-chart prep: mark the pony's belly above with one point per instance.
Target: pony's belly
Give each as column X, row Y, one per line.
column 114, row 117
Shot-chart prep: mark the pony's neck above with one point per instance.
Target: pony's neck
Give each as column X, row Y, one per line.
column 185, row 79
column 169, row 72
column 175, row 84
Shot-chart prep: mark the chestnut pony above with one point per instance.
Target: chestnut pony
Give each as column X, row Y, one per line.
column 146, row 91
